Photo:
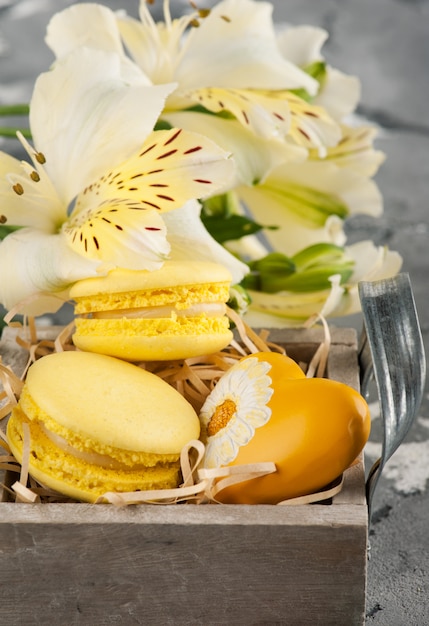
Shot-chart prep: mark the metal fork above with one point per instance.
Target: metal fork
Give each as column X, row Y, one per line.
column 391, row 351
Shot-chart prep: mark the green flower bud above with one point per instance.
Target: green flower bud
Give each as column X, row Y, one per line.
column 307, row 271
column 239, row 299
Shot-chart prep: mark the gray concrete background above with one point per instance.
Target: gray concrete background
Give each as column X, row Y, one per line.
column 385, row 43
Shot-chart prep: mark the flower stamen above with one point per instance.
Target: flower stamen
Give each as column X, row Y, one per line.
column 220, row 418
column 18, row 189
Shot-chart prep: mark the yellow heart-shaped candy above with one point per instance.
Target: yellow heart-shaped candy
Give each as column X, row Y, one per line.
column 265, row 409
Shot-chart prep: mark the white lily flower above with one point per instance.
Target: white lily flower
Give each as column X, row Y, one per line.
column 308, row 203
column 230, row 63
column 355, row 151
column 339, row 93
column 254, row 156
column 299, row 167
column 93, row 196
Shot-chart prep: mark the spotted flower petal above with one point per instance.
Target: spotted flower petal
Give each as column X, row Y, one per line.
column 263, row 115
column 355, row 151
column 118, row 234
column 121, row 209
column 312, row 126
column 171, row 167
column 253, row 156
column 273, row 114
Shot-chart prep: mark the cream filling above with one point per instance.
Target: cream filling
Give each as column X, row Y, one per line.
column 93, row 458
column 210, row 309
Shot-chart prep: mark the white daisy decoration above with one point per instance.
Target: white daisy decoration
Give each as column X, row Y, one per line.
column 234, row 409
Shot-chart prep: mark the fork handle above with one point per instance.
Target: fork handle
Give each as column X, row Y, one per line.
column 391, row 350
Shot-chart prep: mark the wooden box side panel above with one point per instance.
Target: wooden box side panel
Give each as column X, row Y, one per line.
column 174, row 574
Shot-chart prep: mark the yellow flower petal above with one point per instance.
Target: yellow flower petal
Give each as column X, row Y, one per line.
column 311, row 126
column 263, row 115
column 120, row 234
column 173, row 166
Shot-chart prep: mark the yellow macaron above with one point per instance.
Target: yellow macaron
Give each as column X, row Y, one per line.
column 99, row 424
column 175, row 312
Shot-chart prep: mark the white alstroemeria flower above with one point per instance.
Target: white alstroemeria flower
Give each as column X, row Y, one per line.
column 254, row 156
column 355, row 151
column 339, row 93
column 230, row 63
column 99, row 179
column 308, row 202
column 293, row 308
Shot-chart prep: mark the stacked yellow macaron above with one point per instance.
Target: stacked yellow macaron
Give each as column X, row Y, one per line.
column 175, row 312
column 99, row 424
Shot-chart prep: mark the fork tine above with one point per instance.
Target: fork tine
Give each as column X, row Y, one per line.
column 395, row 343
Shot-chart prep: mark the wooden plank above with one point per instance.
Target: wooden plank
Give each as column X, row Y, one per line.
column 184, row 574
column 220, row 515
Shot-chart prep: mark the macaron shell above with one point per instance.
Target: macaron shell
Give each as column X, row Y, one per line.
column 112, row 402
column 52, row 467
column 138, row 347
column 172, row 273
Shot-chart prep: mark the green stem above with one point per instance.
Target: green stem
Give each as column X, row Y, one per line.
column 14, row 109
column 11, row 132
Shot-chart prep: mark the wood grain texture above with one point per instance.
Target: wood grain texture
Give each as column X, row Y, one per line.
column 183, row 565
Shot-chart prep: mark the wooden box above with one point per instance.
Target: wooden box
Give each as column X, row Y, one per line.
column 192, row 564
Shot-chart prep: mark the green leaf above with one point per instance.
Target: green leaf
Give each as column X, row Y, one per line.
column 230, row 227
column 6, row 230
column 302, row 93
column 5, row 131
column 269, row 273
column 220, row 206
column 10, row 110
column 313, row 255
column 199, row 108
column 317, row 70
column 162, row 125
column 239, row 299
column 307, row 271
column 316, row 279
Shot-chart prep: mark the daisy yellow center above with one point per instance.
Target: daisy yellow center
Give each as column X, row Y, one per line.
column 221, row 417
